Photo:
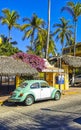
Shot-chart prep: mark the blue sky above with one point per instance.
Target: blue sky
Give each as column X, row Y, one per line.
column 26, row 8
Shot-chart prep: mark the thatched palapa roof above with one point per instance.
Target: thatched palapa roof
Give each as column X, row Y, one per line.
column 10, row 66
column 73, row 61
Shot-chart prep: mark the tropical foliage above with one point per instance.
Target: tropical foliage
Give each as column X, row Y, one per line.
column 35, row 29
column 40, row 44
column 33, row 60
column 75, row 10
column 6, row 48
column 10, row 19
column 63, row 31
column 32, row 27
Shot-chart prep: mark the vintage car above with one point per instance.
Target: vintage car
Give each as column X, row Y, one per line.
column 34, row 90
column 76, row 81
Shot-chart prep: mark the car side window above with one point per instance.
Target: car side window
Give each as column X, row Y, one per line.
column 34, row 86
column 79, row 76
column 44, row 85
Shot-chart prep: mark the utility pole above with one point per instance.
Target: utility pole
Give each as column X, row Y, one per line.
column 48, row 31
column 75, row 33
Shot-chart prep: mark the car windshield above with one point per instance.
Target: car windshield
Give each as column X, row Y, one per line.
column 23, row 85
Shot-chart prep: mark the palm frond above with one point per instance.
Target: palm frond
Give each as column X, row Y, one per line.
column 26, row 19
column 68, row 9
column 14, row 15
column 24, row 26
column 56, row 31
column 17, row 26
column 27, row 34
column 57, row 25
column 71, row 4
column 6, row 12
column 5, row 21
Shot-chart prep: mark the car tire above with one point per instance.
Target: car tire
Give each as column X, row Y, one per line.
column 29, row 100
column 57, row 95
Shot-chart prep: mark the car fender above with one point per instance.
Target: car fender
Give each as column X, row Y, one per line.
column 54, row 91
column 29, row 93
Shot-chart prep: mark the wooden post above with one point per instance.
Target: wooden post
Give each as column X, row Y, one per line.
column 17, row 80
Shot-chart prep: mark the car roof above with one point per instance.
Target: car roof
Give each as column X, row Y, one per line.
column 34, row 81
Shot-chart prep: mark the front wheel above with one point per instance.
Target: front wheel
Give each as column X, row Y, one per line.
column 29, row 100
column 57, row 96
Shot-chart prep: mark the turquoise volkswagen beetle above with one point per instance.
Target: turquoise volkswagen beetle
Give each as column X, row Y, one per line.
column 34, row 90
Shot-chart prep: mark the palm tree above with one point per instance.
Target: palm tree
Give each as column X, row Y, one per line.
column 40, row 43
column 75, row 11
column 32, row 27
column 70, row 42
column 63, row 31
column 10, row 18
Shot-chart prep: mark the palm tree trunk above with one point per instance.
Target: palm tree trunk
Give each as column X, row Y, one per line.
column 75, row 33
column 32, row 39
column 47, row 44
column 9, row 36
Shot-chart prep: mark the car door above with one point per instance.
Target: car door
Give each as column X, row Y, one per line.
column 35, row 89
column 78, row 79
column 45, row 90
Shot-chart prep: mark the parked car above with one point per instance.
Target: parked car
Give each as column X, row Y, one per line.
column 76, row 81
column 34, row 90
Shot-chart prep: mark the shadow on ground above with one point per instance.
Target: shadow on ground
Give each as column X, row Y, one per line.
column 44, row 119
column 11, row 104
column 77, row 120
